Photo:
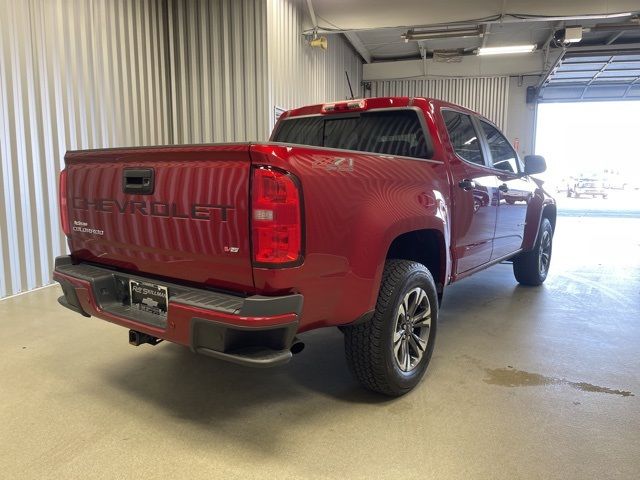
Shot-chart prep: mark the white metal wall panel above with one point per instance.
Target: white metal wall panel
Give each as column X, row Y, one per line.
column 301, row 75
column 219, row 73
column 78, row 74
column 74, row 74
column 485, row 95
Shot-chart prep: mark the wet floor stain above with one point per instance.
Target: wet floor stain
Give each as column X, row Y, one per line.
column 512, row 377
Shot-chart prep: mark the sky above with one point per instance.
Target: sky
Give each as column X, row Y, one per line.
column 583, row 139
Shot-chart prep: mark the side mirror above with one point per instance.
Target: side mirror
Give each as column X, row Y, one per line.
column 534, row 164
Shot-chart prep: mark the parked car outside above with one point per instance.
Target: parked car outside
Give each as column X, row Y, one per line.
column 587, row 187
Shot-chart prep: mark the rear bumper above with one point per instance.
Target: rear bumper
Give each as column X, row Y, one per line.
column 255, row 330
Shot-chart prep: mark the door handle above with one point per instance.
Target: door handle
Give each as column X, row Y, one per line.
column 467, row 184
column 503, row 188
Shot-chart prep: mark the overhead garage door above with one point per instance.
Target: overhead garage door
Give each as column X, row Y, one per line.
column 594, row 75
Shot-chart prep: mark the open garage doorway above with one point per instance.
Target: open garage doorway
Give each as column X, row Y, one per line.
column 593, row 171
column 593, row 156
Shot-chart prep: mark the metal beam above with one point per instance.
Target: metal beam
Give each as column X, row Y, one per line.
column 356, row 43
column 595, row 70
column 553, row 86
column 397, row 14
column 592, row 62
column 546, row 46
column 312, row 14
column 604, row 49
column 485, row 35
column 551, row 70
column 352, row 37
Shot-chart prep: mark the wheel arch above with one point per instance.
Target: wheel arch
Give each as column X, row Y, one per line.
column 426, row 246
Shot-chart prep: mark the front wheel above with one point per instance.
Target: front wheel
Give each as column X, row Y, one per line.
column 531, row 268
column 389, row 354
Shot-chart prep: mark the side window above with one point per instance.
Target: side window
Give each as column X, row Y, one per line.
column 463, row 136
column 392, row 133
column 503, row 155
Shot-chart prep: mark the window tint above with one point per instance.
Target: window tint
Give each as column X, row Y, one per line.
column 396, row 132
column 502, row 154
column 463, row 136
column 341, row 133
column 304, row 131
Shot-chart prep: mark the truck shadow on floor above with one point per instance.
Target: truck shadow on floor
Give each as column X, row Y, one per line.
column 232, row 402
column 321, row 367
column 248, row 404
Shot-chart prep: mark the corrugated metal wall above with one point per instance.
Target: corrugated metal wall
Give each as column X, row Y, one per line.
column 486, row 95
column 80, row 74
column 73, row 74
column 233, row 61
column 301, row 75
column 219, row 83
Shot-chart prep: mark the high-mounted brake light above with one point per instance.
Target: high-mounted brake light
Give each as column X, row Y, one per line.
column 276, row 218
column 348, row 106
column 62, row 203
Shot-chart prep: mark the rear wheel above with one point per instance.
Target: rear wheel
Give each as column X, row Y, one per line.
column 389, row 354
column 532, row 267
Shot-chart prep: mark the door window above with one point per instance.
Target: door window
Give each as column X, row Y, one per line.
column 503, row 156
column 463, row 136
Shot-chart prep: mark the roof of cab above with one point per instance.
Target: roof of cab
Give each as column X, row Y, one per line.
column 373, row 103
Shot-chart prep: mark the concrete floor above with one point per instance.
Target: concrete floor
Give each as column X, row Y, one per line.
column 524, row 383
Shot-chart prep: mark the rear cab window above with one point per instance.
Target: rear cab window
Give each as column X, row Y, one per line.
column 394, row 132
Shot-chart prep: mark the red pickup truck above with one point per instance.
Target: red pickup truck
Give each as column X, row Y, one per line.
column 355, row 214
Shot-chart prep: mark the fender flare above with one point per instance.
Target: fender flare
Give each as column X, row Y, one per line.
column 367, row 258
column 539, row 207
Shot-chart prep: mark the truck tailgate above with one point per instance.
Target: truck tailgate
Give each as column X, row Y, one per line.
column 175, row 212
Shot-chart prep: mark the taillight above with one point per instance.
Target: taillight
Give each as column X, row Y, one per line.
column 64, row 213
column 276, row 212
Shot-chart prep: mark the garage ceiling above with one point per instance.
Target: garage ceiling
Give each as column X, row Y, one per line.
column 387, row 44
column 375, row 27
column 604, row 64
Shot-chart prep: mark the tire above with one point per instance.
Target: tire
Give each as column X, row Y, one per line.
column 377, row 351
column 532, row 267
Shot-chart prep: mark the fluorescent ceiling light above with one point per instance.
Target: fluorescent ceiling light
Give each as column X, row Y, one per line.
column 442, row 33
column 509, row 49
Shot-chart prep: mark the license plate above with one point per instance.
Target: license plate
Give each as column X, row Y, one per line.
column 149, row 298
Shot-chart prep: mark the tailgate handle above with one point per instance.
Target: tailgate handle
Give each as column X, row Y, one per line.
column 138, row 181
